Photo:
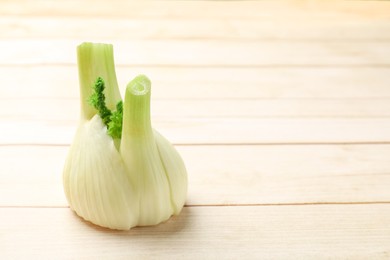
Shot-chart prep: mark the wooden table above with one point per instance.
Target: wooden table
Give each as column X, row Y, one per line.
column 281, row 111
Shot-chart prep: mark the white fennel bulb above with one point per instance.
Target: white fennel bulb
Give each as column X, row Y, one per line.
column 119, row 172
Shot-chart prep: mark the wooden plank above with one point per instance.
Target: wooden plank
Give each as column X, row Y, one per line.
column 98, row 28
column 207, row 82
column 288, row 10
column 229, row 130
column 68, row 109
column 290, row 232
column 204, row 52
column 224, row 175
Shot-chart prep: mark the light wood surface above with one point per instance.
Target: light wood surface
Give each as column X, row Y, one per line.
column 270, row 232
column 280, row 109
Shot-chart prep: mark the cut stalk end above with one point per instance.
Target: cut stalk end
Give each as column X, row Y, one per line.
column 136, row 109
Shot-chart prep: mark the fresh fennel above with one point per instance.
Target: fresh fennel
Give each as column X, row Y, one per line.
column 119, row 172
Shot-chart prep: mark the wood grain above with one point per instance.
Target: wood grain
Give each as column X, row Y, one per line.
column 306, row 28
column 218, row 52
column 224, row 175
column 173, row 109
column 229, row 130
column 264, row 10
column 180, row 82
column 351, row 231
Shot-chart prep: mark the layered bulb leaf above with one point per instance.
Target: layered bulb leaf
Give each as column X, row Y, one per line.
column 120, row 172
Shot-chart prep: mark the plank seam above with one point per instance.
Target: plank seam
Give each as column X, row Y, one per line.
column 272, row 66
column 237, row 205
column 219, row 144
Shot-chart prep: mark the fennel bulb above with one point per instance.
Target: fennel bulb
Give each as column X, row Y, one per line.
column 119, row 172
